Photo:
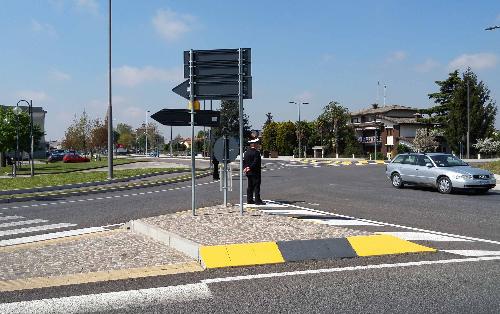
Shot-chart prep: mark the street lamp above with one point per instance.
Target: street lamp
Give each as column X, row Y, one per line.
column 299, row 131
column 17, row 112
column 32, row 144
column 147, row 113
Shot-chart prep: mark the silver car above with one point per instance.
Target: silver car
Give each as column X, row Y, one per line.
column 442, row 171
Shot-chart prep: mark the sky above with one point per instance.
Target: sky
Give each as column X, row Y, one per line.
column 55, row 52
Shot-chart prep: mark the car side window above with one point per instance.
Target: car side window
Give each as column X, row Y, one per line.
column 398, row 159
column 423, row 160
column 409, row 160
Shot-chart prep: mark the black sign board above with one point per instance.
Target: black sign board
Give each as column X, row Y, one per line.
column 216, row 90
column 218, row 61
column 182, row 117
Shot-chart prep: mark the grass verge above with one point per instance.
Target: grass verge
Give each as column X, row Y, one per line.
column 493, row 166
column 60, row 167
column 70, row 178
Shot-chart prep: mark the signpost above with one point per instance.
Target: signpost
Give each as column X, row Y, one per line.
column 220, row 74
column 181, row 117
column 226, row 150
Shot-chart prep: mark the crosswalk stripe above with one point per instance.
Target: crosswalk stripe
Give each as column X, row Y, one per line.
column 50, row 236
column 22, row 222
column 35, row 229
column 424, row 236
column 10, row 217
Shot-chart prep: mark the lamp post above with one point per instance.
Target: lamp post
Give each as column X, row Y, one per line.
column 299, row 130
column 110, row 102
column 468, row 119
column 17, row 112
column 30, row 111
column 147, row 113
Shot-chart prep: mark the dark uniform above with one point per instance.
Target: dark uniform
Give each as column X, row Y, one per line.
column 252, row 161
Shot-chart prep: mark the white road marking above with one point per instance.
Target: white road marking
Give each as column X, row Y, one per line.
column 423, row 236
column 392, row 225
column 473, row 252
column 35, row 229
column 22, row 222
column 351, row 268
column 289, row 212
column 111, row 301
column 49, row 236
column 345, row 222
column 10, row 217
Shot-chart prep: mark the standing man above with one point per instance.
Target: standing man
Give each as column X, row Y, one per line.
column 252, row 169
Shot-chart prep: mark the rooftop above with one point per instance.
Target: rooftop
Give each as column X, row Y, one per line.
column 382, row 109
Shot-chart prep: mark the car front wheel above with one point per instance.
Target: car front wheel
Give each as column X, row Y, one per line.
column 444, row 185
column 397, row 182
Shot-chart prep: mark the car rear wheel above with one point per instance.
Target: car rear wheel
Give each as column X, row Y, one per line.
column 397, row 182
column 444, row 185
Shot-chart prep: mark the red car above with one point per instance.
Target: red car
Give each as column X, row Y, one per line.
column 75, row 158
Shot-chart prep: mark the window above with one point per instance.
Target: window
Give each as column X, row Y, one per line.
column 409, row 160
column 423, row 160
column 388, row 131
column 398, row 159
column 355, row 120
column 447, row 161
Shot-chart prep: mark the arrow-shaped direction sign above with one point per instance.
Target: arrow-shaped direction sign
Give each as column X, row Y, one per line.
column 215, row 89
column 182, row 89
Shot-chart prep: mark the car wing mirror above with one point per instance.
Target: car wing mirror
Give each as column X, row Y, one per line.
column 429, row 165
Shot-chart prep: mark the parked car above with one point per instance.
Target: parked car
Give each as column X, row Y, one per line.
column 56, row 155
column 443, row 171
column 74, row 157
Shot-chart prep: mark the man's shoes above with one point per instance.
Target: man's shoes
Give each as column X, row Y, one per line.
column 250, row 202
column 259, row 202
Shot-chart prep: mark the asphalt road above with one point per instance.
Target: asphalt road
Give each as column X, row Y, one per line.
column 470, row 285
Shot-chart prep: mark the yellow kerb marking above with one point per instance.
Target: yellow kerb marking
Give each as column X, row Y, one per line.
column 346, row 163
column 380, row 162
column 384, row 245
column 75, row 279
column 241, row 254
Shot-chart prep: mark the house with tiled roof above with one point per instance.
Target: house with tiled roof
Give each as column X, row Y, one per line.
column 383, row 128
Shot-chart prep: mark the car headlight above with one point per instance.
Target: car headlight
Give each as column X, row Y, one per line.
column 464, row 177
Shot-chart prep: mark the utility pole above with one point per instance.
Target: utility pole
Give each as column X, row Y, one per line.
column 110, row 106
column 299, row 131
column 468, row 119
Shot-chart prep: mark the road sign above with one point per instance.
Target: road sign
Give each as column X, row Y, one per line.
column 217, row 62
column 216, row 89
column 232, row 149
column 182, row 117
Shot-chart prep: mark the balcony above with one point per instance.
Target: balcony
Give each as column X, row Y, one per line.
column 368, row 139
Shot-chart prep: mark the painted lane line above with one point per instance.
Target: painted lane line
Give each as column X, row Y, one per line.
column 345, row 222
column 35, row 229
column 112, row 301
column 473, row 252
column 22, row 222
column 390, row 224
column 423, row 236
column 72, row 201
column 10, row 217
column 34, row 205
column 351, row 268
column 50, row 236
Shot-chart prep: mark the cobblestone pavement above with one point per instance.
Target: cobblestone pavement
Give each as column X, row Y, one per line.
column 220, row 225
column 113, row 250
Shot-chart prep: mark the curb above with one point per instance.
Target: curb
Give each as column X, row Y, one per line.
column 85, row 184
column 261, row 253
column 103, row 190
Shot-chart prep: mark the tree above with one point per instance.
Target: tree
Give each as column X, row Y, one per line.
column 334, row 120
column 78, row 134
column 230, row 123
column 286, row 138
column 269, row 119
column 126, row 135
column 9, row 125
column 155, row 139
column 487, row 146
column 270, row 133
column 425, row 140
column 450, row 110
column 98, row 136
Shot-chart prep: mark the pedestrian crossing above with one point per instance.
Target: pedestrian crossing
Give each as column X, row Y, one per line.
column 15, row 229
column 317, row 163
column 444, row 242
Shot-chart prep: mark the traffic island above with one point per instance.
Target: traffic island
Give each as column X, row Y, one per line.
column 220, row 237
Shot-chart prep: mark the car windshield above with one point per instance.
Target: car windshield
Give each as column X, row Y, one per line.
column 447, row 161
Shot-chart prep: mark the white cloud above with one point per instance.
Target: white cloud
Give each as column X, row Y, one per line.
column 397, row 56
column 43, row 28
column 36, row 96
column 59, row 75
column 132, row 76
column 476, row 61
column 427, row 66
column 171, row 25
column 90, row 6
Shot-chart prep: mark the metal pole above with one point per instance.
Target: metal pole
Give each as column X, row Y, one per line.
column 300, row 145
column 171, row 143
column 204, row 136
column 240, row 100
column 17, row 142
column 110, row 107
column 146, row 153
column 375, row 157
column 32, row 170
column 191, row 99
column 468, row 120
column 210, row 141
column 224, row 173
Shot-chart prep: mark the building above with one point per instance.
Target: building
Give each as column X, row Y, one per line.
column 385, row 128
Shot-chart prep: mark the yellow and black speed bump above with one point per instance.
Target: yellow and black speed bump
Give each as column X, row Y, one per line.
column 246, row 254
column 315, row 249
